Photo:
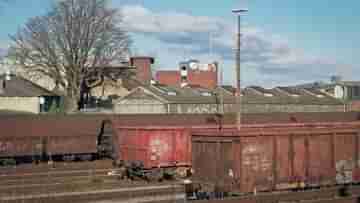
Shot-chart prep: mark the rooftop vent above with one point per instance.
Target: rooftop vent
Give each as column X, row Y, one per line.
column 171, row 93
column 206, row 94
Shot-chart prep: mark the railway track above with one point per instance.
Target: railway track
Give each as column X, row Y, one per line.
column 329, row 194
column 55, row 167
column 71, row 180
column 136, row 194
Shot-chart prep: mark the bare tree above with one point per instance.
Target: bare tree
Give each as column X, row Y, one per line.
column 70, row 43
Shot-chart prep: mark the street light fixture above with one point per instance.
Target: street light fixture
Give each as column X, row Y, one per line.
column 238, row 12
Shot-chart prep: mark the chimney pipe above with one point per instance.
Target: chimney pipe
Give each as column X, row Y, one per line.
column 143, row 68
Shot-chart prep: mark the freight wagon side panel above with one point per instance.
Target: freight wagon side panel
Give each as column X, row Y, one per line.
column 321, row 171
column 283, row 162
column 256, row 163
column 213, row 162
column 182, row 148
column 344, row 157
column 80, row 144
column 204, row 160
column 299, row 158
column 130, row 147
column 21, row 146
column 154, row 147
column 162, row 147
column 356, row 174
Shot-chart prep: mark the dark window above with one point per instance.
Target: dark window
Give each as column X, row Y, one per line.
column 356, row 91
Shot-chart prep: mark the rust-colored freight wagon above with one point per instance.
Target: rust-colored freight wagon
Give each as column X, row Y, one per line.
column 155, row 147
column 275, row 157
column 41, row 137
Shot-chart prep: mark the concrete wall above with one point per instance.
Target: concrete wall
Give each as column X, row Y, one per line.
column 255, row 108
column 267, row 108
column 136, row 106
column 27, row 104
column 151, row 106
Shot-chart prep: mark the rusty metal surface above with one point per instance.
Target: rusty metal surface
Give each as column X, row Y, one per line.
column 154, row 147
column 80, row 144
column 83, row 121
column 279, row 157
column 256, row 164
column 20, row 147
column 344, row 157
column 321, row 171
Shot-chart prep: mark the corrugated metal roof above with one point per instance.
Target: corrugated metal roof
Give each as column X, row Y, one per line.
column 268, row 96
column 18, row 86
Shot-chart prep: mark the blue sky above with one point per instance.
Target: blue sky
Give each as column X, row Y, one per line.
column 285, row 41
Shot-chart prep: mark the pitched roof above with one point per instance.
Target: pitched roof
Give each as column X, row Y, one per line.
column 250, row 96
column 349, row 83
column 18, row 86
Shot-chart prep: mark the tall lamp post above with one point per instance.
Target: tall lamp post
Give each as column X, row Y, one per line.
column 238, row 13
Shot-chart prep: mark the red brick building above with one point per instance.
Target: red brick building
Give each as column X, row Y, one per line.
column 190, row 73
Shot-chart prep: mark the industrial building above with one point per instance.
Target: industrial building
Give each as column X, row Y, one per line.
column 190, row 73
column 157, row 99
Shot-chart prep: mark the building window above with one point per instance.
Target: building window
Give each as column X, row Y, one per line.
column 356, row 91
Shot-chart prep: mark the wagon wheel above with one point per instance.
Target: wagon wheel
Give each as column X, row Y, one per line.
column 155, row 175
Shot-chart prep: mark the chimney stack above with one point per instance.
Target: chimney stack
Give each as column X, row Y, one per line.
column 143, row 68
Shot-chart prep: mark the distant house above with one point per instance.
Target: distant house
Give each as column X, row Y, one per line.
column 166, row 99
column 21, row 95
column 346, row 91
column 114, row 81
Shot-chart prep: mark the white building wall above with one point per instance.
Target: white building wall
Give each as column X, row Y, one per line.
column 27, row 104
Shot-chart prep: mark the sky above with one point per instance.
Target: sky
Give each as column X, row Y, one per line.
column 284, row 42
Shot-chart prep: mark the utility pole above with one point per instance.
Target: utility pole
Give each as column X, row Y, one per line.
column 238, row 13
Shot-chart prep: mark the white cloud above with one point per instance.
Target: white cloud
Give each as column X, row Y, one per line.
column 266, row 57
column 271, row 55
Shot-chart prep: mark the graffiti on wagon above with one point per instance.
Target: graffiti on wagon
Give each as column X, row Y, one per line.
column 5, row 146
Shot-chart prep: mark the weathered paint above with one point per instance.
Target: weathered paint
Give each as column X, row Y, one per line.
column 279, row 157
column 70, row 145
column 257, row 160
column 320, row 162
column 154, row 147
column 344, row 158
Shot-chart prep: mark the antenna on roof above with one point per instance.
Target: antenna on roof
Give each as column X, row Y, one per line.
column 210, row 45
